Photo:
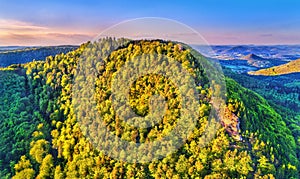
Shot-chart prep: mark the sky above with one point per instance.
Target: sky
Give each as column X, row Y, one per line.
column 58, row 22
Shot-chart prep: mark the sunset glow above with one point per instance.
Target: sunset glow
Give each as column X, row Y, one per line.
column 219, row 22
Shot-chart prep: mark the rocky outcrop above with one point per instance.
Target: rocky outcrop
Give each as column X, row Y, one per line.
column 231, row 123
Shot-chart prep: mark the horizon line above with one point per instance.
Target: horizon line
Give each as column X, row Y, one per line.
column 284, row 44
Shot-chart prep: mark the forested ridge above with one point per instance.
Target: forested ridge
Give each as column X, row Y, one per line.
column 41, row 137
column 24, row 55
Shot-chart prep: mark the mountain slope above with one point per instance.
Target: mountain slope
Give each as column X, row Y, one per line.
column 290, row 67
column 59, row 148
column 18, row 119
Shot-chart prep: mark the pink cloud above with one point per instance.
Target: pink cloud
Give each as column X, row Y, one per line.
column 43, row 39
column 13, row 26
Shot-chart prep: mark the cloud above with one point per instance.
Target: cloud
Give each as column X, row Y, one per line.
column 43, row 39
column 14, row 32
column 18, row 26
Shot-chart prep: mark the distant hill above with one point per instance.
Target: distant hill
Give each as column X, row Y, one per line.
column 257, row 61
column 290, row 67
column 16, row 55
column 8, row 48
column 253, row 57
column 238, row 49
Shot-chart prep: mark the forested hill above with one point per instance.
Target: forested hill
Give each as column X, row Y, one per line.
column 41, row 135
column 290, row 67
column 28, row 54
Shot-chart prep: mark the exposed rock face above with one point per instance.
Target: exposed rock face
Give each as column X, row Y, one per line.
column 231, row 123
